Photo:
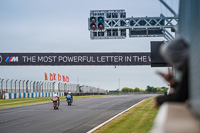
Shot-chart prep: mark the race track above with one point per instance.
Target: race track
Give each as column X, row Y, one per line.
column 82, row 116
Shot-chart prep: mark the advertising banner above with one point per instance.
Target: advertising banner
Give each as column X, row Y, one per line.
column 62, row 59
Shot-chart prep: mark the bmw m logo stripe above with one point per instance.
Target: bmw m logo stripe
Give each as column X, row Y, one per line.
column 12, row 59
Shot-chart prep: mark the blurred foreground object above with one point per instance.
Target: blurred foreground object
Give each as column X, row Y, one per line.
column 175, row 118
column 176, row 54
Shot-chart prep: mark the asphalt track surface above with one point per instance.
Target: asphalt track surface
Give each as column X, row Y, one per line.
column 82, row 116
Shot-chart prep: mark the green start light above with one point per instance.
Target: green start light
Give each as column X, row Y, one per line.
column 100, row 19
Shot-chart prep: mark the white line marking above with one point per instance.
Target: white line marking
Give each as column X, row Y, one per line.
column 113, row 118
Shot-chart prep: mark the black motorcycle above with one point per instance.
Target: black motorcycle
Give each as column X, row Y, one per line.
column 69, row 99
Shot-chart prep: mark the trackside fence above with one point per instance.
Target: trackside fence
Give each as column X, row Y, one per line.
column 11, row 89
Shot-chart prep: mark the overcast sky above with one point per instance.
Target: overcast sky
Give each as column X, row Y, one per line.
column 62, row 26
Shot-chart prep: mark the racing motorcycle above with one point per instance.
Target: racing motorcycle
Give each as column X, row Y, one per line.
column 69, row 99
column 55, row 102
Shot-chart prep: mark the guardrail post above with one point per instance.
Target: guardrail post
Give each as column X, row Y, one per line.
column 11, row 85
column 15, row 86
column 27, row 85
column 42, row 86
column 37, row 87
column 45, row 84
column 2, row 85
column 34, row 86
column 31, row 86
column 50, row 86
column 54, row 86
column 7, row 85
column 58, row 86
column 19, row 85
column 23, row 85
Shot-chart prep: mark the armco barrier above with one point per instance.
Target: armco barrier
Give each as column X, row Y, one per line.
column 13, row 89
column 31, row 95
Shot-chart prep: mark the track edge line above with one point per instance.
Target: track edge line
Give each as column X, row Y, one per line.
column 97, row 127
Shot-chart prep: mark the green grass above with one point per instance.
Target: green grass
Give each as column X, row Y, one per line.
column 31, row 101
column 139, row 119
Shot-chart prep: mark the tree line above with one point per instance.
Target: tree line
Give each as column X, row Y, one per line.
column 149, row 89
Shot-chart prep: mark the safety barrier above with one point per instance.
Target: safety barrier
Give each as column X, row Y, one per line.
column 10, row 89
column 31, row 95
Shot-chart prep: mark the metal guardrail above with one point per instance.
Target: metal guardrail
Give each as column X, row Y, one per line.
column 28, row 86
column 16, row 86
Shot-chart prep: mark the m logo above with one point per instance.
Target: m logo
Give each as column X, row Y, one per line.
column 12, row 59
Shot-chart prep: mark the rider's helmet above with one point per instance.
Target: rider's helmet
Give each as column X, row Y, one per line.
column 69, row 92
column 55, row 95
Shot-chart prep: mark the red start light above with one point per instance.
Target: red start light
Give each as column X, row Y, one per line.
column 100, row 26
column 93, row 26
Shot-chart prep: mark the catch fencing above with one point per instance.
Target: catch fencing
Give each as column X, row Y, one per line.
column 10, row 89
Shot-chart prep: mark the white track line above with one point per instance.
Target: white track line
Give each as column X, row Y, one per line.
column 113, row 118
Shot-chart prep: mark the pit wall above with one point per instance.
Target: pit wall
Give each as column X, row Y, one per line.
column 31, row 95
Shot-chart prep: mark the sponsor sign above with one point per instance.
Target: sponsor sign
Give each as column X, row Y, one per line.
column 60, row 59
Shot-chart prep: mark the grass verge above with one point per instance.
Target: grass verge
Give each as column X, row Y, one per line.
column 31, row 101
column 138, row 119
